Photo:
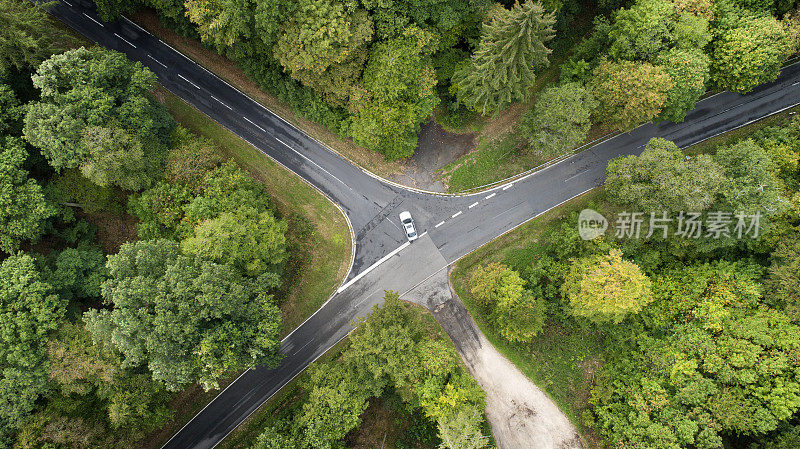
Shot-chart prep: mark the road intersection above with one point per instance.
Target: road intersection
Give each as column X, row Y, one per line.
column 450, row 226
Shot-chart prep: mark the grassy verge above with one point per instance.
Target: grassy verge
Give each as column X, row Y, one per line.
column 325, row 250
column 227, row 70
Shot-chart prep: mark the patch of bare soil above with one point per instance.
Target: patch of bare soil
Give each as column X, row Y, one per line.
column 378, row 428
column 113, row 230
column 435, row 149
column 520, row 413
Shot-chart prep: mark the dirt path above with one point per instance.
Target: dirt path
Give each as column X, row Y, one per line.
column 435, row 149
column 521, row 415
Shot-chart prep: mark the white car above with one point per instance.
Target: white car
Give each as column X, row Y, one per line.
column 408, row 225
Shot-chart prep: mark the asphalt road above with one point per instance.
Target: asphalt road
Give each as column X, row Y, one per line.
column 451, row 226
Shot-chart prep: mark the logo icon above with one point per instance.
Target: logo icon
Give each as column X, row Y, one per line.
column 591, row 224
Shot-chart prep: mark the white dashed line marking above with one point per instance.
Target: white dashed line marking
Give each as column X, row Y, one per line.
column 508, row 186
column 473, row 204
column 185, row 79
column 488, row 197
column 576, row 175
column 262, row 129
column 795, row 84
column 313, row 163
column 68, row 3
column 221, row 102
column 156, row 60
column 124, row 40
column 455, row 214
column 90, row 18
column 439, row 224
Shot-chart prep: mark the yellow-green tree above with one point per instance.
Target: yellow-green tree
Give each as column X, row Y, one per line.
column 518, row 315
column 630, row 93
column 750, row 53
column 324, row 46
column 606, row 288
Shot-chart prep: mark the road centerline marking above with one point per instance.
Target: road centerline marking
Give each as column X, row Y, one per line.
column 488, row 197
column 576, row 175
column 456, row 214
column 156, row 60
column 124, row 40
column 439, row 224
column 221, row 102
column 312, row 162
column 93, row 20
column 473, row 204
column 254, row 124
column 187, row 80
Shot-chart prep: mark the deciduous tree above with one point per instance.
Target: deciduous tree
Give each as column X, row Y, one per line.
column 324, row 46
column 689, row 71
column 748, row 184
column 253, row 241
column 630, row 93
column 606, row 288
column 225, row 24
column 399, row 83
column 662, row 179
column 29, row 310
column 187, row 319
column 117, row 157
column 783, row 280
column 560, row 119
column 91, row 87
column 749, row 53
column 23, row 208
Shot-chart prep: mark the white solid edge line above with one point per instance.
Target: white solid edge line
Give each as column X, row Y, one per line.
column 439, row 224
column 253, row 123
column 93, row 20
column 136, row 25
column 490, row 196
column 373, row 266
column 456, row 214
column 473, row 205
column 156, row 60
column 124, row 40
column 187, row 80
